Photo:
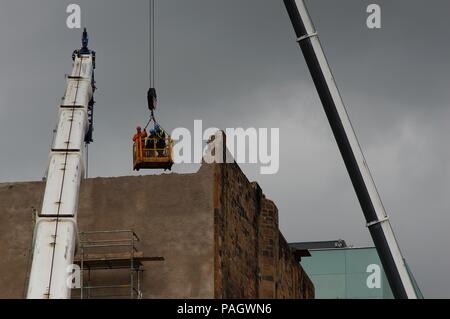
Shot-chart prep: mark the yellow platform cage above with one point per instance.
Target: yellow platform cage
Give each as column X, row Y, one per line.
column 153, row 153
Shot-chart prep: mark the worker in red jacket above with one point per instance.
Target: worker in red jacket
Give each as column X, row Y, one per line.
column 138, row 139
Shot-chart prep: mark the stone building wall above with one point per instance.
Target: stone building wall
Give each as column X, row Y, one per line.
column 218, row 233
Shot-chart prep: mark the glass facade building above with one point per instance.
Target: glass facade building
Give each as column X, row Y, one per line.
column 347, row 273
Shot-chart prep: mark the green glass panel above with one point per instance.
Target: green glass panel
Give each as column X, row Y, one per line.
column 357, row 260
column 357, row 287
column 342, row 273
column 329, row 286
column 325, row 262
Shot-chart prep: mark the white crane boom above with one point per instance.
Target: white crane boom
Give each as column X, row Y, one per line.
column 55, row 234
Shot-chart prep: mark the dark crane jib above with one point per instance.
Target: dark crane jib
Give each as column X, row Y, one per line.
column 369, row 199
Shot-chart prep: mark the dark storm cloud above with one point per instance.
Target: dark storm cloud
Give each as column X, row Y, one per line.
column 235, row 63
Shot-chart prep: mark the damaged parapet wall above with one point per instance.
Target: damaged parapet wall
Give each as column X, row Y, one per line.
column 252, row 258
column 216, row 230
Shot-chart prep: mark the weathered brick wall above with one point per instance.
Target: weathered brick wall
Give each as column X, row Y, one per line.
column 268, row 248
column 292, row 281
column 237, row 209
column 252, row 258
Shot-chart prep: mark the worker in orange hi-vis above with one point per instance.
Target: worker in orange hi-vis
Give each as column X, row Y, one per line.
column 138, row 138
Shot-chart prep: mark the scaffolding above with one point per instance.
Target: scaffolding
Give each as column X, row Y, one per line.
column 110, row 264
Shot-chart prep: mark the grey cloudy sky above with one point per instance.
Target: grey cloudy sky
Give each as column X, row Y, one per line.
column 235, row 63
